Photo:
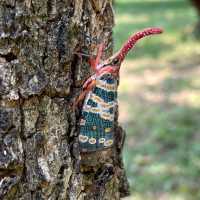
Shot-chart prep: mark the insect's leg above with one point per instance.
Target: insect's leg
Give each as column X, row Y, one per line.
column 83, row 93
column 99, row 54
column 92, row 62
column 87, row 82
column 95, row 61
column 80, row 98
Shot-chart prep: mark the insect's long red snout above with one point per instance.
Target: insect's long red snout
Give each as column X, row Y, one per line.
column 133, row 39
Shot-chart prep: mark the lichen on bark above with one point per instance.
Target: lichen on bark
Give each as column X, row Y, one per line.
column 40, row 76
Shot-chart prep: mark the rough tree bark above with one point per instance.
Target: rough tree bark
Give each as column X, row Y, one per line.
column 40, row 76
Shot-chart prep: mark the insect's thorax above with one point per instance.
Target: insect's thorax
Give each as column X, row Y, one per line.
column 97, row 117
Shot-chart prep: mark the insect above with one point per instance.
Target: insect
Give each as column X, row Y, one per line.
column 99, row 96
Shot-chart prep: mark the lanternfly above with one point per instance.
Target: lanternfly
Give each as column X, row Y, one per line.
column 96, row 126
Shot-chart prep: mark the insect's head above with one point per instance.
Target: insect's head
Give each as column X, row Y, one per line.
column 114, row 61
column 112, row 65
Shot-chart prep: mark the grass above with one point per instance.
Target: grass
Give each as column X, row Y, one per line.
column 159, row 100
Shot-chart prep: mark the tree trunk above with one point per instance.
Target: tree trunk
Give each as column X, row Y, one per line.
column 40, row 76
column 196, row 4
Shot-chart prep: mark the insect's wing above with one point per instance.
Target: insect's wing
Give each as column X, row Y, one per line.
column 97, row 117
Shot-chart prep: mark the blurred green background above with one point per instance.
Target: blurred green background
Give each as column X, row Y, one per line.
column 159, row 98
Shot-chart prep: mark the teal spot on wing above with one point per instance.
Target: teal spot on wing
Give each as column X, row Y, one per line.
column 92, row 103
column 107, row 96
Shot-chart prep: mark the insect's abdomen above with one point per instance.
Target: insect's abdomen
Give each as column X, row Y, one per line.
column 97, row 117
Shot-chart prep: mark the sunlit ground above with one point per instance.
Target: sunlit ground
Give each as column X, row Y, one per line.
column 159, row 98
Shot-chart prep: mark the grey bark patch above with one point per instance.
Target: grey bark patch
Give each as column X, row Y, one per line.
column 6, row 121
column 8, row 187
column 33, row 84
